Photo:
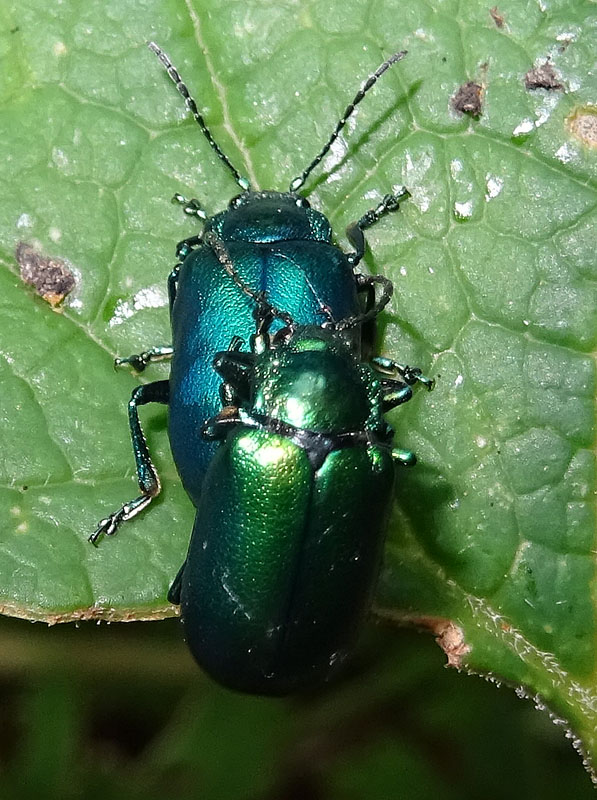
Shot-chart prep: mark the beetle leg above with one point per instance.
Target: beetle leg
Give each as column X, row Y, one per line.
column 366, row 286
column 355, row 231
column 233, row 366
column 149, row 482
column 186, row 246
column 190, row 207
column 217, row 427
column 173, row 285
column 405, row 457
column 375, row 307
column 394, row 394
column 410, row 375
column 368, row 329
column 139, row 361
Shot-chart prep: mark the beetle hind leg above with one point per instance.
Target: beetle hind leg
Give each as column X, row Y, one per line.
column 149, row 482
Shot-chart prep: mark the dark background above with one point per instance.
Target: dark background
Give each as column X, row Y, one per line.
column 121, row 711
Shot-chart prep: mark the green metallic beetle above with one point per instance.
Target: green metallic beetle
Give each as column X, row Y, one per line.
column 290, row 527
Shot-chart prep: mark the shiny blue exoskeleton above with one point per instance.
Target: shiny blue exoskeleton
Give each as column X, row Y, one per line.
column 279, row 246
column 268, row 250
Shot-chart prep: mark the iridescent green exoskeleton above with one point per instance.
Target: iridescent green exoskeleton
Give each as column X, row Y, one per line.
column 290, row 525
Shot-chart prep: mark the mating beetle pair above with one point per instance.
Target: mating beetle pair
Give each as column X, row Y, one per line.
column 283, row 447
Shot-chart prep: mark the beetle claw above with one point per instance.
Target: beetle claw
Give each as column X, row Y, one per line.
column 137, row 362
column 107, row 526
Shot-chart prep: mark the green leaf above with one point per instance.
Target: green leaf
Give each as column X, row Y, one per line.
column 493, row 262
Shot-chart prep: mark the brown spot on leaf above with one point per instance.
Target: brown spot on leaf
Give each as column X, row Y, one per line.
column 50, row 277
column 497, row 17
column 448, row 635
column 582, row 124
column 542, row 77
column 467, row 99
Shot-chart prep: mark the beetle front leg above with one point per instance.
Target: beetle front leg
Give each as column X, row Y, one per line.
column 191, row 208
column 233, row 366
column 149, row 482
column 173, row 286
column 139, row 361
column 355, row 231
column 187, row 246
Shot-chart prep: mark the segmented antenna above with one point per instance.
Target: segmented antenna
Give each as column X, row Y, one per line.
column 259, row 298
column 387, row 290
column 192, row 107
column 371, row 80
column 220, row 251
column 324, row 309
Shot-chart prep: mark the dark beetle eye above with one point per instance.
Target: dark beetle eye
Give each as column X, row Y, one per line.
column 302, row 203
column 236, row 201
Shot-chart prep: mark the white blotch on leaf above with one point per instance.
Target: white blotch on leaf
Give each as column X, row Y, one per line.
column 24, row 221
column 494, row 186
column 463, row 210
column 151, row 297
column 526, row 126
column 565, row 153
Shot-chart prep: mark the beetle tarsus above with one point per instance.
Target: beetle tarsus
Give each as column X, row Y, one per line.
column 138, row 361
column 191, row 208
column 109, row 526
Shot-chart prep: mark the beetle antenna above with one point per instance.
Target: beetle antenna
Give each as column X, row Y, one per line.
column 324, row 309
column 387, row 290
column 371, row 80
column 192, row 107
column 259, row 298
